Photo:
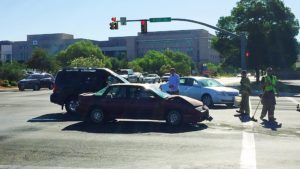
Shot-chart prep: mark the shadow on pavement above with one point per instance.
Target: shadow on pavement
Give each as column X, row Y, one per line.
column 273, row 125
column 56, row 117
column 130, row 127
column 219, row 106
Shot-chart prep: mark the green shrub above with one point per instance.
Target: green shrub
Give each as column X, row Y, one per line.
column 5, row 83
column 13, row 83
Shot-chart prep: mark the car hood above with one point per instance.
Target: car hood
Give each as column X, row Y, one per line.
column 223, row 89
column 27, row 80
column 193, row 102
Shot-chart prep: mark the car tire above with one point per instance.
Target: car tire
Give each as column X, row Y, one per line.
column 36, row 87
column 50, row 87
column 230, row 105
column 207, row 100
column 96, row 116
column 71, row 105
column 21, row 88
column 174, row 118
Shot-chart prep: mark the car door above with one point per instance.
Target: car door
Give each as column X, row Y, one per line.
column 193, row 89
column 115, row 101
column 182, row 86
column 143, row 104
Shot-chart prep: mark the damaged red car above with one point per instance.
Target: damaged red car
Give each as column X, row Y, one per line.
column 140, row 101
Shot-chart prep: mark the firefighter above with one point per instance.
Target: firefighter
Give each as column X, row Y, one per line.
column 245, row 91
column 268, row 98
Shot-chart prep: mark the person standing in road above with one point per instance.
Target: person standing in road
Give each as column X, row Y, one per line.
column 245, row 91
column 173, row 82
column 268, row 98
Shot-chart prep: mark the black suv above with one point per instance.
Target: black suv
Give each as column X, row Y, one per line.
column 37, row 81
column 70, row 82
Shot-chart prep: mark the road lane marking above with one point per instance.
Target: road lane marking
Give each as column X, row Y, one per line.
column 248, row 153
column 37, row 167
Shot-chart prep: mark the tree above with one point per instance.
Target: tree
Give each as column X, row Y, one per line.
column 271, row 30
column 87, row 62
column 41, row 61
column 84, row 49
column 11, row 71
column 181, row 62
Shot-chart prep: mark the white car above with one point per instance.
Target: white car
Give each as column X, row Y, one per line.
column 152, row 78
column 207, row 90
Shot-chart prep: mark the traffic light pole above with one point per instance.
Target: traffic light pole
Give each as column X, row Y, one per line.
column 242, row 36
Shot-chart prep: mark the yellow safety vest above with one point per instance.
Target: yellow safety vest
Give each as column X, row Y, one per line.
column 270, row 83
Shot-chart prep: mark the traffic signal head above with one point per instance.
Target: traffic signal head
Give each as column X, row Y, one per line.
column 144, row 26
column 247, row 54
column 113, row 25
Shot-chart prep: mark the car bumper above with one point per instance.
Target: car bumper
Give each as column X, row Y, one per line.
column 54, row 98
column 223, row 99
column 197, row 115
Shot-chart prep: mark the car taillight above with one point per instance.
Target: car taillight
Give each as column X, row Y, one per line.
column 54, row 88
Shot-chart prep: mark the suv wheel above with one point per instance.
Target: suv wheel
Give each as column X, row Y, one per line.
column 21, row 88
column 72, row 105
column 51, row 86
column 36, row 87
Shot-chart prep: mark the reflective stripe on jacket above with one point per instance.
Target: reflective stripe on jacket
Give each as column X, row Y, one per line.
column 270, row 83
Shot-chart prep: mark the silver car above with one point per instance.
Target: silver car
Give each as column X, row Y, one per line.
column 208, row 90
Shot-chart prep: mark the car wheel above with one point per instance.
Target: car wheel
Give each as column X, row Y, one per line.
column 174, row 118
column 72, row 105
column 50, row 86
column 36, row 87
column 21, row 88
column 96, row 116
column 207, row 100
column 230, row 105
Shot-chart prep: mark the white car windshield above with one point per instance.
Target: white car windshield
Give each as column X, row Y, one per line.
column 210, row 83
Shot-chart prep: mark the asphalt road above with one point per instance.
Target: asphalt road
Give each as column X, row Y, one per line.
column 35, row 133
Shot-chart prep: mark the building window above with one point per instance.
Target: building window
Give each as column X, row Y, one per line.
column 34, row 42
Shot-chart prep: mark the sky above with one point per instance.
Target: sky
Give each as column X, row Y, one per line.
column 90, row 18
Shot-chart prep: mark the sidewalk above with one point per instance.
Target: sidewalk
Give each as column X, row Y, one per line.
column 8, row 89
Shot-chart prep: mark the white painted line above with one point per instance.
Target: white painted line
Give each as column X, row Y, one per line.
column 37, row 167
column 248, row 153
column 293, row 100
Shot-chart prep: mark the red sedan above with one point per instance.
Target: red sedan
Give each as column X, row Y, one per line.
column 140, row 101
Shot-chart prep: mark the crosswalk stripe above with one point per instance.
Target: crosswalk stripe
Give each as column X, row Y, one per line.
column 248, row 154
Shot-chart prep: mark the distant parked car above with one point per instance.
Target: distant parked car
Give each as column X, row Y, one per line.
column 140, row 77
column 128, row 75
column 165, row 77
column 36, row 81
column 140, row 101
column 208, row 90
column 70, row 82
column 152, row 78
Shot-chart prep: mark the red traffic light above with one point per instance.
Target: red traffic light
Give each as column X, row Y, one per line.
column 114, row 19
column 144, row 26
column 247, row 54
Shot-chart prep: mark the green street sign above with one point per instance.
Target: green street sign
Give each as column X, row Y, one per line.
column 167, row 19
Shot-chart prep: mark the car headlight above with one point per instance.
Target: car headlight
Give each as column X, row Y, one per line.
column 222, row 93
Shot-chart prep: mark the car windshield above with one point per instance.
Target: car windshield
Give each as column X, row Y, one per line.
column 123, row 72
column 33, row 77
column 101, row 92
column 159, row 92
column 210, row 83
column 151, row 75
column 167, row 74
